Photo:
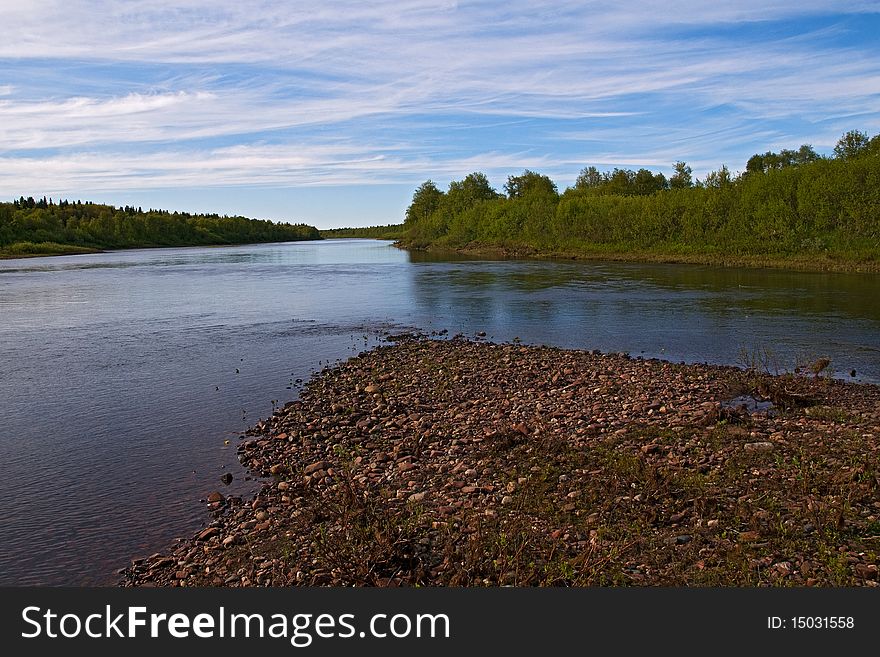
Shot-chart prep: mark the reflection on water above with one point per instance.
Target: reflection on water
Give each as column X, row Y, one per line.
column 126, row 377
column 678, row 312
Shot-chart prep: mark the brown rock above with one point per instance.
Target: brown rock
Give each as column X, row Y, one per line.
column 207, row 533
column 315, row 467
column 521, row 428
column 762, row 446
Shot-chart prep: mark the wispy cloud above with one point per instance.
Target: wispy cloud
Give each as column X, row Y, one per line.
column 150, row 94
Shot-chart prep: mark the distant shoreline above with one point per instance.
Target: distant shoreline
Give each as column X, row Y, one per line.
column 795, row 263
column 77, row 250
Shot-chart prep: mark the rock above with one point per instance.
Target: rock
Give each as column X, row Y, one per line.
column 749, row 536
column 507, row 499
column 315, row 467
column 521, row 428
column 783, row 568
column 216, row 496
column 762, row 446
column 207, row 533
column 866, row 570
column 416, row 497
column 283, row 485
column 226, row 478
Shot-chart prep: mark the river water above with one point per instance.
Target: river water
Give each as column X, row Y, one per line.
column 127, row 377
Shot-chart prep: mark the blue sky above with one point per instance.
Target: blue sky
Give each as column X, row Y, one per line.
column 332, row 113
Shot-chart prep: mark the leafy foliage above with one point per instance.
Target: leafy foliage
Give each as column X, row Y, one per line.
column 69, row 225
column 388, row 232
column 786, row 204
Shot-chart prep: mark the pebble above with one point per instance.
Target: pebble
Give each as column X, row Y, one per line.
column 564, row 451
column 761, row 446
column 316, row 467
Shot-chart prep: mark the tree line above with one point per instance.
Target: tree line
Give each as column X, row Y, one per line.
column 790, row 203
column 29, row 225
column 385, row 232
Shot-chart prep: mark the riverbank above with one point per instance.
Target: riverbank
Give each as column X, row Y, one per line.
column 453, row 462
column 40, row 249
column 805, row 262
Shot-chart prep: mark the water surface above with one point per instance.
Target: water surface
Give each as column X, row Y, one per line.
column 127, row 377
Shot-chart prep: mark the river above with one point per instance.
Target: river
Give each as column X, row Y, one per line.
column 127, row 377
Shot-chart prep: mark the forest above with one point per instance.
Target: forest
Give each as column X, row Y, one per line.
column 788, row 207
column 386, row 232
column 46, row 227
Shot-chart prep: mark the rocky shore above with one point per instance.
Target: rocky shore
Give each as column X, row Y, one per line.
column 464, row 463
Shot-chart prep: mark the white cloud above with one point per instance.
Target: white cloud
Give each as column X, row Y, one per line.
column 175, row 93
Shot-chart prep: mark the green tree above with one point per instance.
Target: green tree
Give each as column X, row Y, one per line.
column 529, row 183
column 646, row 183
column 682, row 178
column 425, row 202
column 719, row 179
column 851, row 144
column 589, row 178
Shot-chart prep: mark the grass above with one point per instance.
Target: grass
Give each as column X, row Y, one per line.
column 33, row 249
column 856, row 262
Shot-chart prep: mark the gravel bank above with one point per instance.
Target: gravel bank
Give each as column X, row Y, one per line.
column 454, row 462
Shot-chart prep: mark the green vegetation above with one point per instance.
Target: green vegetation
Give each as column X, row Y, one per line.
column 792, row 208
column 389, row 232
column 43, row 227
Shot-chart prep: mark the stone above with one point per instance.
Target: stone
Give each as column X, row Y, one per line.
column 507, row 499
column 216, row 496
column 226, row 478
column 315, row 467
column 207, row 533
column 762, row 446
column 416, row 497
